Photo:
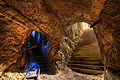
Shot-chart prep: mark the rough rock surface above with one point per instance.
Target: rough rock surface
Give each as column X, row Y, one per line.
column 51, row 17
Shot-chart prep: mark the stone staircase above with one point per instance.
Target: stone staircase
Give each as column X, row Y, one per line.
column 42, row 63
column 87, row 60
column 44, row 67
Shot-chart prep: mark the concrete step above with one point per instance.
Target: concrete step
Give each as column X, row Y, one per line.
column 42, row 65
column 43, row 69
column 82, row 55
column 93, row 62
column 87, row 71
column 95, row 67
column 74, row 58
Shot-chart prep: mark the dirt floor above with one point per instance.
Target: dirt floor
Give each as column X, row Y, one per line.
column 67, row 74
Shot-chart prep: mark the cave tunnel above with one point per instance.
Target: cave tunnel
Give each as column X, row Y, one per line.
column 86, row 57
column 65, row 46
column 36, row 57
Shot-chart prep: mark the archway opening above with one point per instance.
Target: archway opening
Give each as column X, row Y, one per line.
column 86, row 57
column 36, row 57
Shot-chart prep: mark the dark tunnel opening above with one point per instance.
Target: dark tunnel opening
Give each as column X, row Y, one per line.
column 36, row 59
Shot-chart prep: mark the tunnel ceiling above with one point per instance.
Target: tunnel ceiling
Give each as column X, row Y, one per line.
column 66, row 11
column 50, row 17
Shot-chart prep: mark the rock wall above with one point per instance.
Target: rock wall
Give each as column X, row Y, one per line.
column 68, row 43
column 108, row 31
column 17, row 22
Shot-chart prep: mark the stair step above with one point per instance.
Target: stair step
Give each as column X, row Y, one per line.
column 39, row 57
column 42, row 62
column 82, row 55
column 94, row 62
column 79, row 52
column 43, row 69
column 81, row 58
column 42, row 65
column 87, row 71
column 95, row 67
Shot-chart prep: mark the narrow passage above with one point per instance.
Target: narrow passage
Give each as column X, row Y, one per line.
column 86, row 58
